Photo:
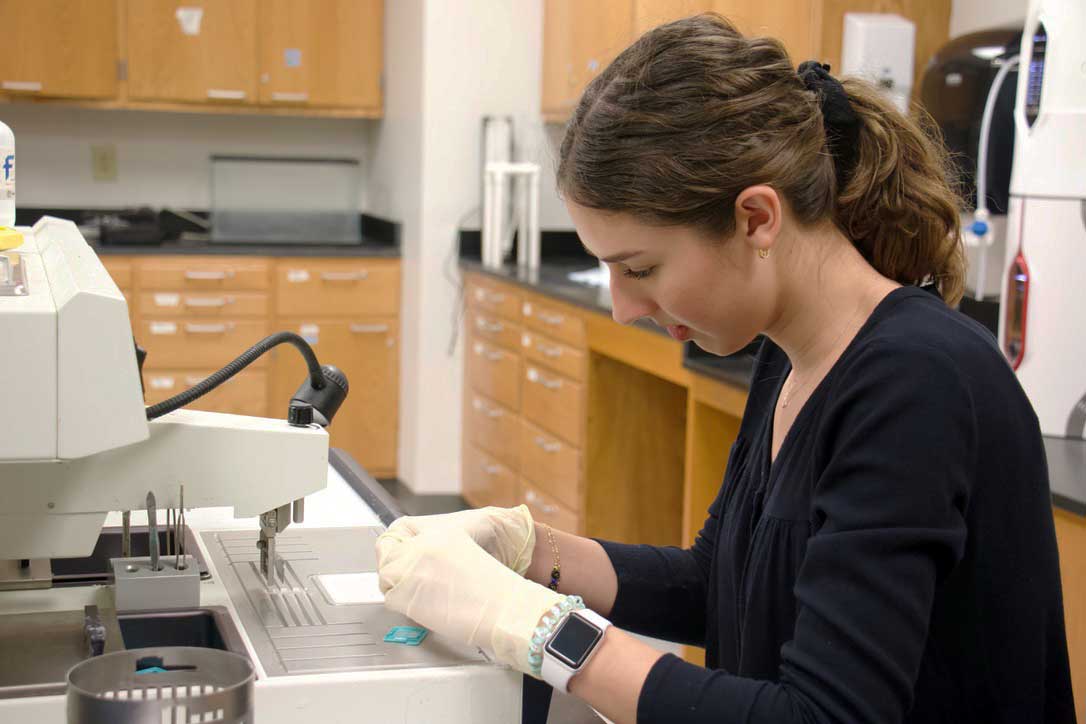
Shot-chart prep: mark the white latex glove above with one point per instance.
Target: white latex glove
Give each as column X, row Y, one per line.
column 508, row 534
column 443, row 580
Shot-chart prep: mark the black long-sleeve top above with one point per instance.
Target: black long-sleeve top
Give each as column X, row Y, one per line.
column 897, row 561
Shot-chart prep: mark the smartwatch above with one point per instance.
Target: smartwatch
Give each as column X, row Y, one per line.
column 571, row 646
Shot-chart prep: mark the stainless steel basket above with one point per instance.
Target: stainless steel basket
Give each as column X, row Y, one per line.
column 174, row 685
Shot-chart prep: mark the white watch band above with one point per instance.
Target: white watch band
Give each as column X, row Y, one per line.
column 554, row 671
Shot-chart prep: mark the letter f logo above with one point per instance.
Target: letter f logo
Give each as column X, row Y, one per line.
column 9, row 163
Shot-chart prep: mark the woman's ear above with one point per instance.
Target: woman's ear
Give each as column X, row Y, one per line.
column 758, row 216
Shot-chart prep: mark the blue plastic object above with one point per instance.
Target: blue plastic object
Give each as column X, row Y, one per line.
column 979, row 228
column 152, row 670
column 407, row 635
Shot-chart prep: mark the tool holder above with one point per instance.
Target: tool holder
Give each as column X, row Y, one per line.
column 521, row 182
column 168, row 684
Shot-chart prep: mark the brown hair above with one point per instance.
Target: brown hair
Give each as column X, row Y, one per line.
column 693, row 113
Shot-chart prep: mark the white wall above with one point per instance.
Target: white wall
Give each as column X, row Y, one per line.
column 967, row 16
column 162, row 158
column 478, row 58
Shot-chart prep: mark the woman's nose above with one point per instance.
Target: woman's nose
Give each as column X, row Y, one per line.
column 626, row 305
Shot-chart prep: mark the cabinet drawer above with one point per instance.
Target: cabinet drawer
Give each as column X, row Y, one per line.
column 552, row 465
column 494, row 329
column 198, row 344
column 546, row 509
column 204, row 304
column 495, row 373
column 555, row 403
column 493, row 428
column 486, row 481
column 205, row 273
column 556, row 321
column 244, row 394
column 354, row 287
column 120, row 270
column 494, row 298
column 555, row 355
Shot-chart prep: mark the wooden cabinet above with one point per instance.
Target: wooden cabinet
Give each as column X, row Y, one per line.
column 196, row 53
column 348, row 310
column 194, row 314
column 1071, row 537
column 486, row 481
column 315, row 286
column 59, row 48
column 367, row 350
column 524, row 402
column 321, row 53
column 284, row 57
column 579, row 39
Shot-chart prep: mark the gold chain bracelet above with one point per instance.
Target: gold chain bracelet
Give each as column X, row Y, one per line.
column 556, row 569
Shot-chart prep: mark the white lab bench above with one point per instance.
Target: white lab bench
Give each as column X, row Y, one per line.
column 472, row 693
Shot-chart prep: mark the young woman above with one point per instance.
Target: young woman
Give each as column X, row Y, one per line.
column 882, row 547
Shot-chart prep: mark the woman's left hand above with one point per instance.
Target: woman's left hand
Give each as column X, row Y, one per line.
column 443, row 580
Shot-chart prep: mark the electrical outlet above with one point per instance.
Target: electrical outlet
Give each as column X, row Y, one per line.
column 104, row 162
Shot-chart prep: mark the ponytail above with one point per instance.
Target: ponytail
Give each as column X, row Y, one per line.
column 898, row 205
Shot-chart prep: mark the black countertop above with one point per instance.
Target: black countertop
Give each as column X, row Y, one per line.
column 552, row 280
column 364, row 249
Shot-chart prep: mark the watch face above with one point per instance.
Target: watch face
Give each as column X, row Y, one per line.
column 573, row 641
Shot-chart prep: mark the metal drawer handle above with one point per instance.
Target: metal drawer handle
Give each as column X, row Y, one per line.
column 492, row 412
column 551, row 319
column 355, row 276
column 369, row 328
column 208, row 328
column 23, row 86
column 491, row 469
column 492, row 327
column 223, row 94
column 549, row 351
column 207, row 302
column 481, row 351
column 548, row 445
column 550, row 384
column 208, row 275
column 289, row 97
column 534, row 499
column 494, row 297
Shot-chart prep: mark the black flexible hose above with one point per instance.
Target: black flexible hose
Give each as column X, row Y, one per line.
column 243, row 360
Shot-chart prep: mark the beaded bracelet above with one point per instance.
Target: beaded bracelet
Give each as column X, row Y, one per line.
column 543, row 631
column 556, row 568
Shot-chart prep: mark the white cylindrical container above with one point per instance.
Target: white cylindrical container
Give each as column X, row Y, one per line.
column 7, row 176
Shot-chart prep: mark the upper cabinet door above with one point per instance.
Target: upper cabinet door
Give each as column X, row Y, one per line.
column 321, row 53
column 59, row 48
column 579, row 40
column 193, row 53
column 794, row 22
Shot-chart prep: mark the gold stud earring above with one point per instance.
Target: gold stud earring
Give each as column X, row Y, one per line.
column 764, row 253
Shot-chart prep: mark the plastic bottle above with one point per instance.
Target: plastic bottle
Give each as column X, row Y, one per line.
column 7, row 176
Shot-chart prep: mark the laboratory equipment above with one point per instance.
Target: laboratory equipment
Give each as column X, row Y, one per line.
column 969, row 90
column 1042, row 317
column 214, row 496
column 880, row 47
column 520, row 181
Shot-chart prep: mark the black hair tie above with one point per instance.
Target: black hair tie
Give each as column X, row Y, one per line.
column 841, row 121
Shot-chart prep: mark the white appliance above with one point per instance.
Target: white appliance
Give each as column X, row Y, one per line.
column 76, row 448
column 1042, row 317
column 880, row 47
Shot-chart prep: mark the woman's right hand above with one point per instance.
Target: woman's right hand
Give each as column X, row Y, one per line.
column 507, row 534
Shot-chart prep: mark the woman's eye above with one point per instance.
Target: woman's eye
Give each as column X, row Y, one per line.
column 638, row 273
